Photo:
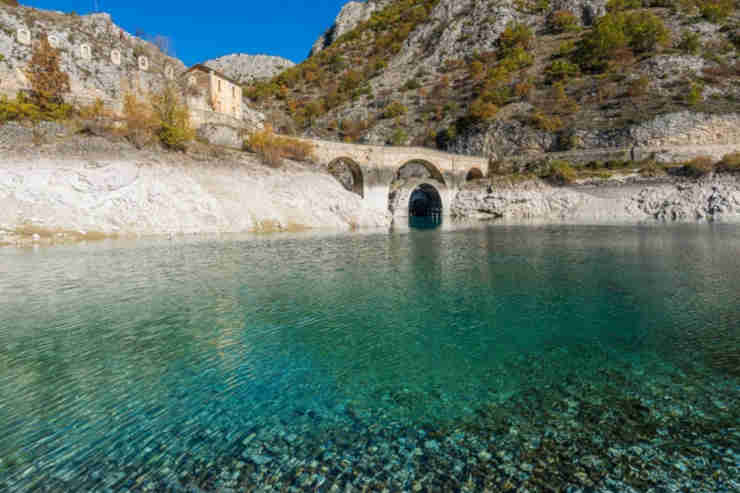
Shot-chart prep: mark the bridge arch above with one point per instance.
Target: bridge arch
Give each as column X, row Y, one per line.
column 349, row 174
column 474, row 174
column 419, row 168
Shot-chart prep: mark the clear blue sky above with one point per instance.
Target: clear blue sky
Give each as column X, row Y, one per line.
column 201, row 30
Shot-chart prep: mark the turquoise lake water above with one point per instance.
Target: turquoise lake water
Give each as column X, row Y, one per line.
column 502, row 356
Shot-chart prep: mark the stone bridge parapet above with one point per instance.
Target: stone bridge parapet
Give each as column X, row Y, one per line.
column 386, row 176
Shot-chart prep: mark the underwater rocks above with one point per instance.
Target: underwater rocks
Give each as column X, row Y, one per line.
column 622, row 426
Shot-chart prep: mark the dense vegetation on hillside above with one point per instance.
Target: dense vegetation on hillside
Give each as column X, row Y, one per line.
column 341, row 73
column 547, row 71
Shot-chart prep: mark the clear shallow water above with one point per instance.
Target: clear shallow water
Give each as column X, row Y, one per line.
column 132, row 365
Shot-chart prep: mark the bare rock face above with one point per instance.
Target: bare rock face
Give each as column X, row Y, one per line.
column 715, row 198
column 349, row 17
column 684, row 130
column 586, row 10
column 247, row 68
column 102, row 60
column 78, row 185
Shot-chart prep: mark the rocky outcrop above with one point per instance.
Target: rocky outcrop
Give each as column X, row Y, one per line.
column 349, row 17
column 715, row 198
column 586, row 10
column 248, row 68
column 143, row 196
column 81, row 185
column 712, row 199
column 502, row 139
column 102, row 60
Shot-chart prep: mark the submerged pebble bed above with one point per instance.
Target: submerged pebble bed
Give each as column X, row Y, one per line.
column 573, row 360
column 631, row 426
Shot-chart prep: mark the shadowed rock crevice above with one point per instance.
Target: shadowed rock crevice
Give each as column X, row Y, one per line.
column 349, row 174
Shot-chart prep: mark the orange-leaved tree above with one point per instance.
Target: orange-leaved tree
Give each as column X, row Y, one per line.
column 48, row 82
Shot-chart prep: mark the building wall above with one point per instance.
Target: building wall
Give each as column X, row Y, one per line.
column 198, row 91
column 226, row 97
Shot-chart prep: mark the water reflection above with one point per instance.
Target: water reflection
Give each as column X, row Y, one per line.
column 425, row 222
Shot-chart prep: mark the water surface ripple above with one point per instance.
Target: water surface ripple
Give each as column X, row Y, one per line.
column 417, row 360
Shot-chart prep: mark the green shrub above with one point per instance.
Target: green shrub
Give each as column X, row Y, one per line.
column 516, row 59
column 172, row 119
column 566, row 48
column 515, row 35
column 620, row 5
column 730, row 163
column 548, row 123
column 481, row 110
column 619, row 31
column 561, row 70
column 394, row 110
column 399, row 137
column 560, row 173
column 690, row 43
column 716, row 11
column 695, row 94
column 19, row 109
column 411, row 85
column 22, row 108
column 646, row 31
column 562, row 21
column 272, row 148
column 698, row 167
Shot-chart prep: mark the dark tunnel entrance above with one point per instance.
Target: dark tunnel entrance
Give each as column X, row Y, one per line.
column 425, row 207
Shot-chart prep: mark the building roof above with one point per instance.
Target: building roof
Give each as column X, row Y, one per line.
column 208, row 69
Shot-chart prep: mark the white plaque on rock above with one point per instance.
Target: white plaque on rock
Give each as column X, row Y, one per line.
column 115, row 57
column 53, row 40
column 24, row 36
column 143, row 63
column 85, row 51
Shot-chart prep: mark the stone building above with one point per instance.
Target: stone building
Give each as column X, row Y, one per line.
column 209, row 91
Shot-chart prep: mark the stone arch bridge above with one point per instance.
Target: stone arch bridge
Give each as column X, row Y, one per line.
column 403, row 180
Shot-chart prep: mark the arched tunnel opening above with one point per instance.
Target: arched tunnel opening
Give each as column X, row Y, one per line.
column 425, row 207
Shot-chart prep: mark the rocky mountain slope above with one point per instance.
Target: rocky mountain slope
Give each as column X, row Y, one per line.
column 352, row 14
column 102, row 60
column 249, row 68
column 510, row 76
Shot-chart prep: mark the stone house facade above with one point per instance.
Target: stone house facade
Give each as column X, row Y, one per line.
column 209, row 91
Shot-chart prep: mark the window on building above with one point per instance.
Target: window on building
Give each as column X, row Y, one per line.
column 219, row 85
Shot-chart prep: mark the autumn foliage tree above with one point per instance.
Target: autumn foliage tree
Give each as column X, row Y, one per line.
column 48, row 82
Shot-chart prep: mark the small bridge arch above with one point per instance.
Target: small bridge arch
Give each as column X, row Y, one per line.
column 419, row 168
column 474, row 174
column 349, row 173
